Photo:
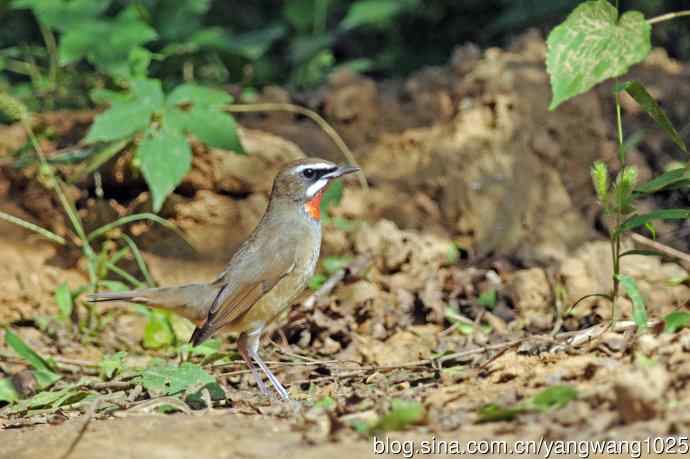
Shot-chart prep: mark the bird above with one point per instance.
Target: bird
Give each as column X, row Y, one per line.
column 264, row 275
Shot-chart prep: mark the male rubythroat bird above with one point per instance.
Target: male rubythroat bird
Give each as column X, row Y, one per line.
column 265, row 274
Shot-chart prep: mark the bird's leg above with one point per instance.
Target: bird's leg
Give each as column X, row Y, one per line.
column 253, row 347
column 244, row 343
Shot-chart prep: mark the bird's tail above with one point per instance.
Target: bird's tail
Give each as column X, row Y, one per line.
column 191, row 301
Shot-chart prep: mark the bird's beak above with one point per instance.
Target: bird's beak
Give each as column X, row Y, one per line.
column 340, row 171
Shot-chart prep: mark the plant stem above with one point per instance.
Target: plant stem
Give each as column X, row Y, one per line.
column 668, row 16
column 312, row 115
column 51, row 46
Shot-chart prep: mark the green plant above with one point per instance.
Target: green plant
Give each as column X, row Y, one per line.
column 593, row 44
column 162, row 123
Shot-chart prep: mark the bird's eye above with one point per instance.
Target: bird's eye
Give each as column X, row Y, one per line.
column 308, row 173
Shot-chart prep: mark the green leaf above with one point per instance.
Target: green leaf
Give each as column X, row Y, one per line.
column 45, row 376
column 488, row 298
column 403, row 413
column 8, row 393
column 333, row 264
column 332, row 196
column 166, row 379
column 25, row 352
column 252, row 45
column 680, row 176
column 165, row 159
column 640, row 220
column 638, row 92
column 554, row 397
column 63, row 14
column 178, row 19
column 158, row 331
column 214, row 128
column 317, row 281
column 63, row 298
column 199, row 96
column 639, row 309
column 112, row 364
column 493, row 412
column 374, row 12
column 676, row 320
column 592, row 45
column 47, row 399
column 121, row 120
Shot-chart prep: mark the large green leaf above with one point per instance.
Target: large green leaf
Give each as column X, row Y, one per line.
column 166, row 379
column 592, row 45
column 121, row 120
column 176, row 20
column 165, row 159
column 213, row 127
column 642, row 97
column 639, row 308
column 641, row 220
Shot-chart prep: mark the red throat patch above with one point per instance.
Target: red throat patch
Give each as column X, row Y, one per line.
column 313, row 207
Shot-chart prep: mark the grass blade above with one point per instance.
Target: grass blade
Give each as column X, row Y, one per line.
column 638, row 92
column 138, row 217
column 141, row 263
column 640, row 220
column 672, row 177
column 31, row 227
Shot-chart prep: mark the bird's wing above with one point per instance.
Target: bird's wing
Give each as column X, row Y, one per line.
column 241, row 287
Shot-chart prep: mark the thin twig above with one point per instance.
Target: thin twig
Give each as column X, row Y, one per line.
column 312, row 115
column 353, row 269
column 82, row 429
column 668, row 16
column 670, row 252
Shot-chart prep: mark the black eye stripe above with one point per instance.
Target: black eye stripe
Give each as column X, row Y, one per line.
column 312, row 172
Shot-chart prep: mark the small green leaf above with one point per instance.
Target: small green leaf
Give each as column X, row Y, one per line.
column 332, row 196
column 158, row 331
column 639, row 309
column 640, row 220
column 676, row 320
column 252, row 45
column 592, row 45
column 63, row 298
column 488, row 299
column 647, row 253
column 554, row 397
column 165, row 159
column 679, row 176
column 167, row 379
column 326, row 404
column 112, row 364
column 207, row 348
column 8, row 393
column 334, row 264
column 403, row 413
column 493, row 412
column 317, row 281
column 638, row 92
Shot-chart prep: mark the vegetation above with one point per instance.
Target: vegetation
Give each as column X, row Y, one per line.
column 163, row 76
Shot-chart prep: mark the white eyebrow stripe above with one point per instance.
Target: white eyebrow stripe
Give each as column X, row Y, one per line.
column 316, row 187
column 318, row 166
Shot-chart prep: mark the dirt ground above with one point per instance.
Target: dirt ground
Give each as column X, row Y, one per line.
column 479, row 230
